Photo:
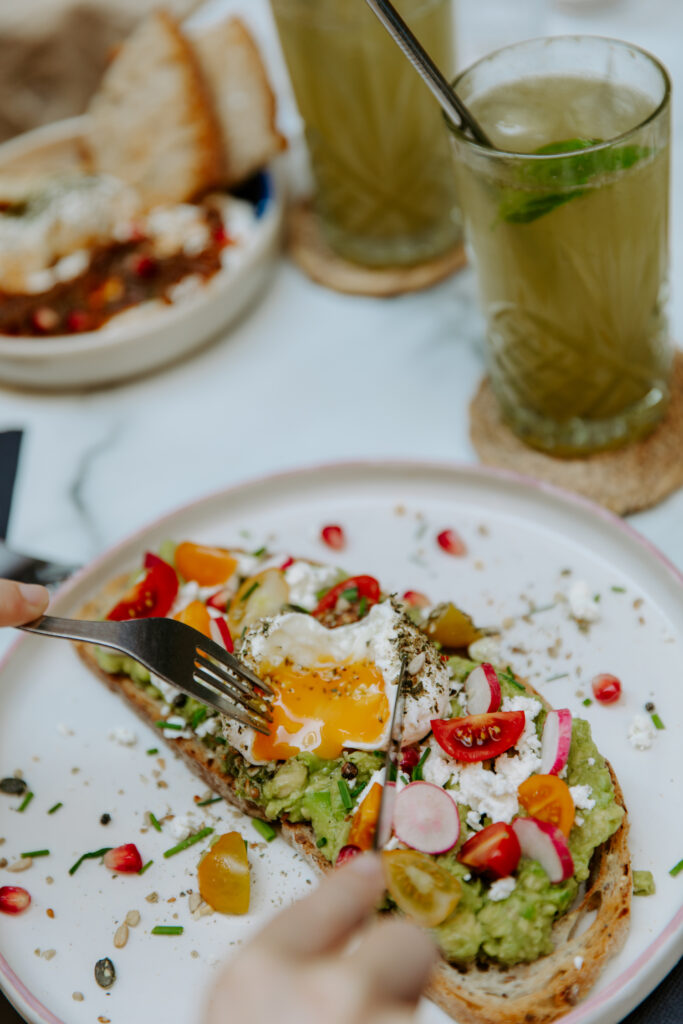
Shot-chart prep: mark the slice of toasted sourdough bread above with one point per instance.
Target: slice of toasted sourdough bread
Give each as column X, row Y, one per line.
column 242, row 97
column 528, row 993
column 151, row 122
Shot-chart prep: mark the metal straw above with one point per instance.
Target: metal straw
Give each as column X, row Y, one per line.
column 450, row 102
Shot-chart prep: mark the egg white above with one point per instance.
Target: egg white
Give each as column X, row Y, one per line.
column 381, row 637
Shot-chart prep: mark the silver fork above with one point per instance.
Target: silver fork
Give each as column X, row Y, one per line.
column 180, row 655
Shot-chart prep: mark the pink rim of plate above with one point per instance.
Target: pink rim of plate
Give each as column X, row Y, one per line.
column 14, row 986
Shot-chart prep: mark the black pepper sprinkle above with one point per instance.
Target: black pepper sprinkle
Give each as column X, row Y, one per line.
column 13, row 786
column 649, row 706
column 105, row 819
column 105, row 973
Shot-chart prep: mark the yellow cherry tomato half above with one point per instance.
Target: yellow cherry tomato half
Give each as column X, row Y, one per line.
column 365, row 819
column 207, row 566
column 420, row 887
column 548, row 798
column 224, row 881
column 196, row 615
column 451, row 627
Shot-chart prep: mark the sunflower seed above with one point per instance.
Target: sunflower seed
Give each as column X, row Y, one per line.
column 416, row 664
column 133, row 918
column 121, row 936
column 20, row 865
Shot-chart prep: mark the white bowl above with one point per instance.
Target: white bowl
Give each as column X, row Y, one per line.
column 135, row 346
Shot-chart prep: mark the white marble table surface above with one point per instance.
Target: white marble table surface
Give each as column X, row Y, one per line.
column 308, row 375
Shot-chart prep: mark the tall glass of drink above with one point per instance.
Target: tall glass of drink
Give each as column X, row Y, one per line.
column 385, row 192
column 568, row 223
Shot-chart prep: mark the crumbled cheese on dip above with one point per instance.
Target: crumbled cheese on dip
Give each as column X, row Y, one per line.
column 641, row 732
column 581, row 795
column 501, row 889
column 306, row 580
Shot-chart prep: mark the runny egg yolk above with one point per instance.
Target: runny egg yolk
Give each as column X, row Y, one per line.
column 322, row 708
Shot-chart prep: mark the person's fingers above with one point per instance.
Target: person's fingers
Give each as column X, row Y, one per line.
column 329, row 915
column 395, row 958
column 21, row 602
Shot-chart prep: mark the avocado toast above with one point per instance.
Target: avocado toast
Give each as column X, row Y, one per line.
column 512, row 955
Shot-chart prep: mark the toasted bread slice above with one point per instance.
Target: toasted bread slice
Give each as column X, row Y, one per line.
column 151, row 122
column 528, row 993
column 242, row 97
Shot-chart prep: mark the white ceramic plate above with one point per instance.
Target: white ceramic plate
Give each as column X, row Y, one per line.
column 520, row 538
column 118, row 352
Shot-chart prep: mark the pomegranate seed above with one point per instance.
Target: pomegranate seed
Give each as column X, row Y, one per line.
column 221, row 634
column 125, row 860
column 410, row 759
column 219, row 600
column 415, row 599
column 13, row 899
column 144, row 265
column 333, row 536
column 78, row 320
column 606, row 688
column 347, row 853
column 286, row 564
column 451, row 543
column 45, row 319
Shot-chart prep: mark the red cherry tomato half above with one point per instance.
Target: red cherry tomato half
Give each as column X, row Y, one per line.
column 333, row 536
column 152, row 597
column 479, row 737
column 606, row 688
column 365, row 586
column 494, row 851
column 451, row 543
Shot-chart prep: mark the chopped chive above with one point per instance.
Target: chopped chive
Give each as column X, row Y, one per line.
column 168, row 725
column 319, row 594
column 209, row 800
column 266, row 830
column 199, row 716
column 657, row 722
column 93, row 855
column 509, row 677
column 596, row 597
column 321, row 842
column 299, row 608
column 392, row 773
column 560, row 675
column 618, row 590
column 541, row 608
column 26, row 801
column 260, row 552
column 345, row 794
column 250, row 590
column 417, row 770
column 351, row 594
column 586, row 702
column 168, row 929
column 145, row 866
column 55, row 808
column 362, row 607
column 152, row 750
column 154, row 822
column 220, row 739
column 190, row 841
column 676, row 869
column 35, row 853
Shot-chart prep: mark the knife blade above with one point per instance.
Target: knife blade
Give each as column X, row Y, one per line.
column 392, row 763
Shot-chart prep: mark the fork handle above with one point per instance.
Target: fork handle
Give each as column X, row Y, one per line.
column 73, row 629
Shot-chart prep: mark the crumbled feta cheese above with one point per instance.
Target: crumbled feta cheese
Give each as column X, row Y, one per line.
column 306, row 580
column 591, row 761
column 581, row 795
column 487, row 648
column 208, row 727
column 184, row 733
column 578, row 962
column 123, row 736
column 168, row 692
column 474, row 821
column 182, row 826
column 582, row 605
column 501, row 889
column 578, row 820
column 641, row 732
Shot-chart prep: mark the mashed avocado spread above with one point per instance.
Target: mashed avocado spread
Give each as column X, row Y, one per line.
column 306, row 788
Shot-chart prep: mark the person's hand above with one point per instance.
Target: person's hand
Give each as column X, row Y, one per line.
column 21, row 602
column 295, row 971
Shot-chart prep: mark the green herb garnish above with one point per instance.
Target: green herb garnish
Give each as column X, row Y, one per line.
column 209, row 800
column 198, row 717
column 417, row 770
column 560, row 675
column 656, row 721
column 145, row 867
column 55, row 807
column 351, row 594
column 93, row 855
column 345, row 794
column 260, row 552
column 250, row 590
column 618, row 590
column 676, row 869
column 321, row 842
column 35, row 853
column 586, row 702
column 168, row 725
column 509, row 677
column 153, row 750
column 266, row 830
column 190, row 841
column 168, row 929
column 362, row 607
column 154, row 822
column 26, row 801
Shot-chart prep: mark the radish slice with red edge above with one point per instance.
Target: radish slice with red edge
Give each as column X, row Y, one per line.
column 426, row 818
column 221, row 634
column 556, row 741
column 482, row 690
column 541, row 841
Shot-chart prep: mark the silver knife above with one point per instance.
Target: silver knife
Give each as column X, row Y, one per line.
column 385, row 818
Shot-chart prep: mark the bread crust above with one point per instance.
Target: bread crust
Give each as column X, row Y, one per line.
column 527, row 993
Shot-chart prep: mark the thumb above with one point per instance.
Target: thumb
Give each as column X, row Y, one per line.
column 21, row 602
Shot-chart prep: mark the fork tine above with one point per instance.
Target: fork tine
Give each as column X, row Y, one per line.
column 223, row 673
column 251, row 704
column 233, row 710
column 209, row 648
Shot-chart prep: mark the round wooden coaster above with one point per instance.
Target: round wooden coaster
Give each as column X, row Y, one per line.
column 310, row 251
column 625, row 480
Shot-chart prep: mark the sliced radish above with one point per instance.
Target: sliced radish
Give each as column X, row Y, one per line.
column 541, row 841
column 221, row 634
column 219, row 600
column 333, row 536
column 482, row 690
column 556, row 741
column 426, row 818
